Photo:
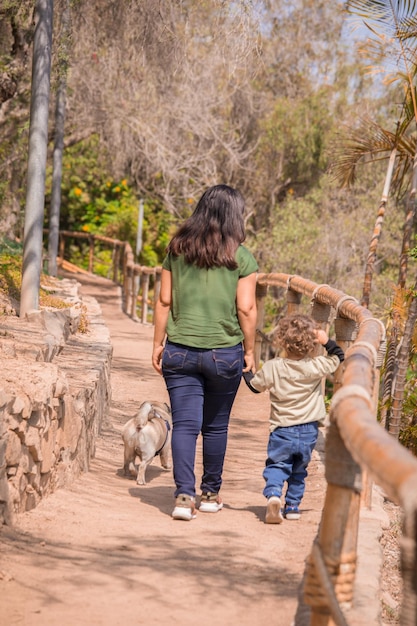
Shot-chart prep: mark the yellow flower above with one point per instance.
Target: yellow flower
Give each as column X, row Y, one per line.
column 116, row 189
column 78, row 192
column 190, row 200
column 86, row 228
column 124, row 182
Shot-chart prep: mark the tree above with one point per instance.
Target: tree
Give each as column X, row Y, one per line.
column 54, row 213
column 16, row 37
column 38, row 141
column 183, row 94
column 393, row 41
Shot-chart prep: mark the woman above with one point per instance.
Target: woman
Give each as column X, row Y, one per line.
column 207, row 313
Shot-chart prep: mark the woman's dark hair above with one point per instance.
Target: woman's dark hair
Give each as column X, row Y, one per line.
column 212, row 234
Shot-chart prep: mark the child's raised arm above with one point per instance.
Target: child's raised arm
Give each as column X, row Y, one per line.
column 330, row 345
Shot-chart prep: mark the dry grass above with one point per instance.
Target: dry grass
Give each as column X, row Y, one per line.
column 391, row 581
column 11, row 282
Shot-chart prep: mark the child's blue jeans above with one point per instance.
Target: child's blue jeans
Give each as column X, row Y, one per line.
column 289, row 453
column 202, row 385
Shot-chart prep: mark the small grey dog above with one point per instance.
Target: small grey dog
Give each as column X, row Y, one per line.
column 146, row 436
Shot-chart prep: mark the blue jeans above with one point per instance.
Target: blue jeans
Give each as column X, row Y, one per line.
column 289, row 453
column 202, row 386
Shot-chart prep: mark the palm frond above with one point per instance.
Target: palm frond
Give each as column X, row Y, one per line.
column 393, row 18
column 407, row 113
column 392, row 29
column 367, row 141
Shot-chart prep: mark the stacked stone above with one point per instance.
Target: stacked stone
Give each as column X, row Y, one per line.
column 54, row 395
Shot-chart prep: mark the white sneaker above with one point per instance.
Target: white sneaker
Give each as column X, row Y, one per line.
column 273, row 511
column 292, row 512
column 210, row 503
column 184, row 508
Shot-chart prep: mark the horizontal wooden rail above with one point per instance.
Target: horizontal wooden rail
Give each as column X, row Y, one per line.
column 358, row 448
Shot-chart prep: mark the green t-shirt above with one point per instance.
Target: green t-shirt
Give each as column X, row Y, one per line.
column 203, row 310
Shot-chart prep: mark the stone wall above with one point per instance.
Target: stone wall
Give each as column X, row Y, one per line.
column 54, row 393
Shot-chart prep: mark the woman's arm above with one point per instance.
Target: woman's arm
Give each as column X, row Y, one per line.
column 162, row 308
column 246, row 312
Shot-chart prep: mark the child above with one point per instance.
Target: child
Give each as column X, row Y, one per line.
column 297, row 407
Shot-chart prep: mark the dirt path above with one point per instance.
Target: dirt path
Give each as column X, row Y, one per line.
column 106, row 552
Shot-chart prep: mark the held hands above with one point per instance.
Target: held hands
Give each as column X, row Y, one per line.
column 249, row 363
column 322, row 336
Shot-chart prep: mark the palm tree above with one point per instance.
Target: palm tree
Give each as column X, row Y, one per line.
column 400, row 372
column 392, row 44
column 370, row 261
column 369, row 142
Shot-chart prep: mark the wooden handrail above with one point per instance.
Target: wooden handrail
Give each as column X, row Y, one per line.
column 358, row 448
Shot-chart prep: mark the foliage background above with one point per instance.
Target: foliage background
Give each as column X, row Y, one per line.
column 165, row 98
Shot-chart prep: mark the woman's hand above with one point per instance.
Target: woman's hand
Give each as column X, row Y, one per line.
column 249, row 364
column 157, row 358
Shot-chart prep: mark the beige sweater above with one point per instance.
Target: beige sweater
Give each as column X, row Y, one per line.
column 295, row 388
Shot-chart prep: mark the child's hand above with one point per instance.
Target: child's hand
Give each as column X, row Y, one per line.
column 322, row 336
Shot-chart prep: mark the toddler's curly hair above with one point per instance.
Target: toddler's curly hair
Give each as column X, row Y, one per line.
column 296, row 334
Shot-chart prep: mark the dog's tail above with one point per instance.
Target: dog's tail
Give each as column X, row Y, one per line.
column 142, row 416
column 148, row 411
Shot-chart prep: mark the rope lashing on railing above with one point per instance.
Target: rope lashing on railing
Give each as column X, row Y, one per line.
column 319, row 310
column 289, row 281
column 344, row 299
column 317, row 289
column 325, row 578
column 383, row 343
column 380, row 322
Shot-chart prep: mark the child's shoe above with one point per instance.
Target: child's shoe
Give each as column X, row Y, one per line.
column 184, row 507
column 273, row 511
column 210, row 502
column 292, row 512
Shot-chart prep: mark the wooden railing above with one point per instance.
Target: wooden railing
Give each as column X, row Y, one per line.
column 358, row 448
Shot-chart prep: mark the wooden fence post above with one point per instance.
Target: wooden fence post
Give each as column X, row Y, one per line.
column 116, row 261
column 145, row 291
column 127, row 288
column 321, row 313
column 135, row 282
column 91, row 254
column 293, row 301
column 156, row 290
